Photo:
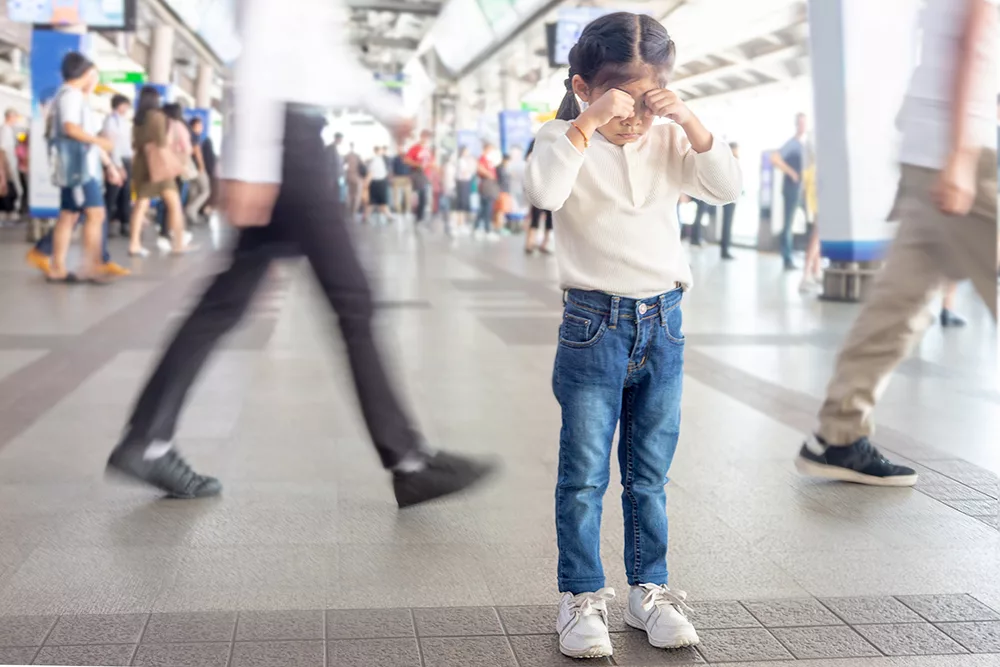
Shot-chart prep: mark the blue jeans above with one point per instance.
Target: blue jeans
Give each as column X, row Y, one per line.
column 484, row 219
column 93, row 197
column 619, row 361
column 791, row 196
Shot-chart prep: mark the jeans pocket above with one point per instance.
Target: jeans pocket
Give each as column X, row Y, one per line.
column 674, row 328
column 581, row 329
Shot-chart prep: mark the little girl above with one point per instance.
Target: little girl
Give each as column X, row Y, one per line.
column 613, row 180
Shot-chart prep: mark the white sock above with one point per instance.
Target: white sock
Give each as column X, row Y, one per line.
column 414, row 462
column 156, row 449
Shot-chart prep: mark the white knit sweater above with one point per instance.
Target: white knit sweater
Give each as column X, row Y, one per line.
column 615, row 207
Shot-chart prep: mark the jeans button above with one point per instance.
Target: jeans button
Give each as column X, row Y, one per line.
column 642, row 309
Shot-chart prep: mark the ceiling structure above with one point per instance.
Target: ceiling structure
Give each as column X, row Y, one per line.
column 389, row 32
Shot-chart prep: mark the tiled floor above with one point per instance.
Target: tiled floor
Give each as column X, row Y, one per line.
column 837, row 575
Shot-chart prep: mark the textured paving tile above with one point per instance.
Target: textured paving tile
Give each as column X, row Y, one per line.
column 909, row 639
column 24, row 630
column 536, row 620
column 109, row 655
column 368, row 623
column 266, row 625
column 948, row 608
column 872, row 610
column 633, row 649
column 741, row 645
column 208, row 654
column 975, row 507
column 97, row 629
column 467, row 652
column 978, row 637
column 543, row 651
column 17, row 656
column 209, row 626
column 457, row 622
column 721, row 615
column 791, row 613
column 373, row 653
column 825, row 642
column 278, row 654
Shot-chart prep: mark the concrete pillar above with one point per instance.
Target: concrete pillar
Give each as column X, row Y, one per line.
column 862, row 56
column 161, row 56
column 17, row 59
column 203, row 87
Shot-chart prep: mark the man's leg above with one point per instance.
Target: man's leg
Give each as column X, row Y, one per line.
column 146, row 451
column 696, row 225
column 728, row 213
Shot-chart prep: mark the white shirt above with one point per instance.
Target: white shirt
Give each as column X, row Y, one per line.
column 615, row 207
column 292, row 51
column 925, row 119
column 8, row 142
column 377, row 168
column 466, row 168
column 119, row 130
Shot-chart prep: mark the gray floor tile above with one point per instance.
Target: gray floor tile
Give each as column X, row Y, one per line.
column 721, row 615
column 278, row 654
column 872, row 610
column 741, row 645
column 457, row 622
column 909, row 639
column 373, row 653
column 467, row 652
column 97, row 629
column 975, row 507
column 208, row 626
column 949, row 608
column 207, row 654
column 543, row 651
column 17, row 656
column 25, row 630
column 825, row 642
column 369, row 623
column 533, row 620
column 634, row 649
column 266, row 625
column 108, row 655
column 791, row 613
column 982, row 637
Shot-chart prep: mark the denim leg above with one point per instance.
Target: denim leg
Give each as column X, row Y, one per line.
column 650, row 426
column 44, row 244
column 791, row 204
column 105, row 255
column 588, row 385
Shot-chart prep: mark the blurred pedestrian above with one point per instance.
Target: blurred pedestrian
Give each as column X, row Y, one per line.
column 378, row 187
column 791, row 160
column 295, row 63
column 200, row 187
column 118, row 128
column 947, row 208
column 9, row 204
column 728, row 214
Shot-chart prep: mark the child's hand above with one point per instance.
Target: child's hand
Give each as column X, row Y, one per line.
column 666, row 104
column 613, row 104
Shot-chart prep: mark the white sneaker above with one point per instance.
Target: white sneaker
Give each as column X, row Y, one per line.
column 660, row 612
column 583, row 624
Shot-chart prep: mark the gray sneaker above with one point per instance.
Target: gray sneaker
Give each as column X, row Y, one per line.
column 170, row 473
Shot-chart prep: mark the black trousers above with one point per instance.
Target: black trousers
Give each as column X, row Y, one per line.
column 728, row 212
column 118, row 200
column 696, row 231
column 308, row 220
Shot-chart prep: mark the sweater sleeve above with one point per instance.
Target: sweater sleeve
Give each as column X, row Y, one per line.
column 714, row 176
column 552, row 168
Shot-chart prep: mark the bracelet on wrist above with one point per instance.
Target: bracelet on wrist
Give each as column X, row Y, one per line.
column 586, row 139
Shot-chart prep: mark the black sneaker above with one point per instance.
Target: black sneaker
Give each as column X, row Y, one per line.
column 169, row 473
column 860, row 463
column 443, row 475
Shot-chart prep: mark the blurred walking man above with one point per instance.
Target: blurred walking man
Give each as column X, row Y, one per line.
column 947, row 207
column 295, row 63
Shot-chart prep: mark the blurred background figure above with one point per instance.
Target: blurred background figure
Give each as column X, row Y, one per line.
column 791, row 160
column 947, row 208
column 378, row 188
column 728, row 214
column 10, row 205
column 118, row 128
column 200, row 187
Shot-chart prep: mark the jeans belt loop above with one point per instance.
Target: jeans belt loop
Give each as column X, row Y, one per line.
column 615, row 301
column 663, row 310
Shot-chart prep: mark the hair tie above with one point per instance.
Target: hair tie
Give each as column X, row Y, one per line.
column 569, row 84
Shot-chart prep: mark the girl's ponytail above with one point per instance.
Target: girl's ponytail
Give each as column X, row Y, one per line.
column 570, row 107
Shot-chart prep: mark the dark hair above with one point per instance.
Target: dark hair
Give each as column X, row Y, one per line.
column 733, row 145
column 149, row 100
column 75, row 65
column 195, row 120
column 614, row 50
column 119, row 100
column 174, row 111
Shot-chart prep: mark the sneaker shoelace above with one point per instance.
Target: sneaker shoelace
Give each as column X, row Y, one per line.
column 180, row 471
column 589, row 604
column 662, row 596
column 870, row 451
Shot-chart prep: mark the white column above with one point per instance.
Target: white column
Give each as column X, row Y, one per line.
column 862, row 56
column 203, row 87
column 161, row 56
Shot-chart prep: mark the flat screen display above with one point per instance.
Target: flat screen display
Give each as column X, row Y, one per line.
column 93, row 13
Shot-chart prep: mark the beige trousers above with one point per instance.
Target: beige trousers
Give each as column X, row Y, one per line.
column 930, row 249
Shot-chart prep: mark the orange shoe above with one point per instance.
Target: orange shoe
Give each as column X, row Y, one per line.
column 116, row 270
column 40, row 261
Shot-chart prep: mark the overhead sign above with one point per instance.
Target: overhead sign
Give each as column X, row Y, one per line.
column 124, row 77
column 92, row 13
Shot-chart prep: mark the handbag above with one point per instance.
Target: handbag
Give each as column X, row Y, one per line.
column 162, row 162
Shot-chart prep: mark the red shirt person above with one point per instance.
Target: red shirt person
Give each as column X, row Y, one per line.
column 418, row 158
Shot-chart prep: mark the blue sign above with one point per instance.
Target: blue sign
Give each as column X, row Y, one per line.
column 569, row 25
column 92, row 13
column 515, row 130
column 469, row 139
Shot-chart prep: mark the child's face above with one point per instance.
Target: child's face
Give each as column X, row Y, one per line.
column 629, row 130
